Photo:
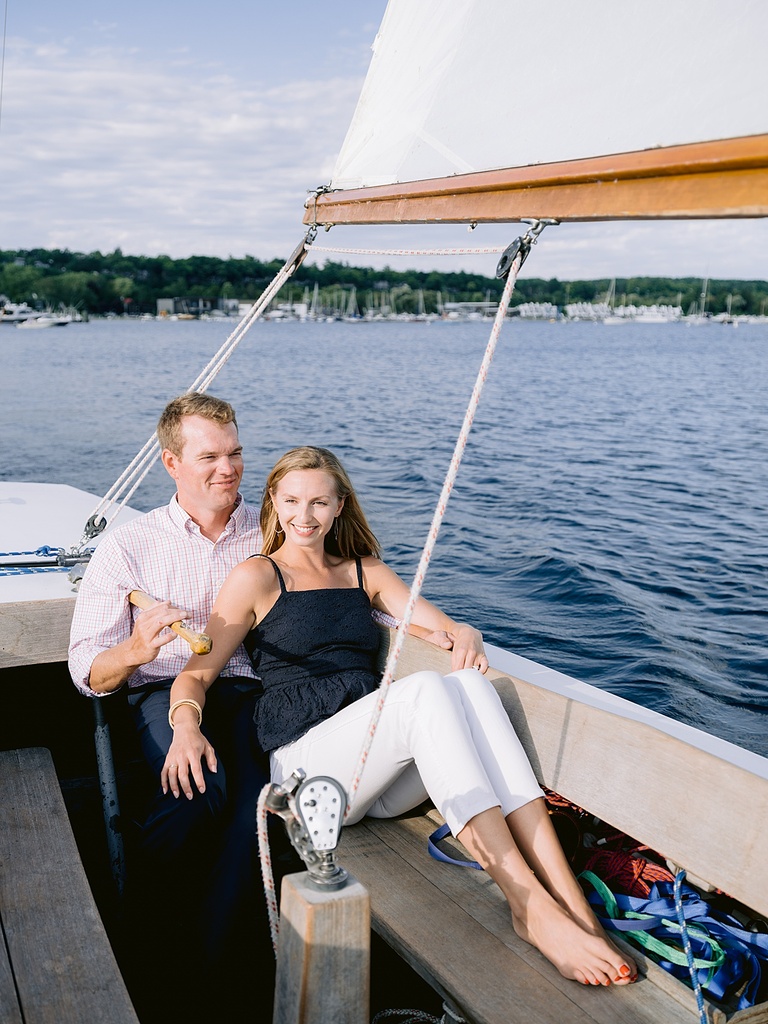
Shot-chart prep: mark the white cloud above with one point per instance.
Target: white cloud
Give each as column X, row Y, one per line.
column 108, row 150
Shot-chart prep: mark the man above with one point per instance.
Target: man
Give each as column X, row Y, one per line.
column 196, row 889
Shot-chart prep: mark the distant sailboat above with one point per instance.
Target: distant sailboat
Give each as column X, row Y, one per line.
column 351, row 312
column 698, row 313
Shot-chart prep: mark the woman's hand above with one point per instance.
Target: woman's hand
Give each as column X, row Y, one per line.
column 184, row 760
column 438, row 637
column 467, row 650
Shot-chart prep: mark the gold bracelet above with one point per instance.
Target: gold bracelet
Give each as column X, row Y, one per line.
column 178, row 703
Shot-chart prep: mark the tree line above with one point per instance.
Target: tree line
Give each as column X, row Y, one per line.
column 100, row 283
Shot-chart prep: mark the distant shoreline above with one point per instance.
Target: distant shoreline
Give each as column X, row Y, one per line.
column 99, row 283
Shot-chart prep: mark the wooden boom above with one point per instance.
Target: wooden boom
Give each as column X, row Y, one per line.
column 724, row 178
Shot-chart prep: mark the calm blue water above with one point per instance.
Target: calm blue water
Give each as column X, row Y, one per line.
column 609, row 518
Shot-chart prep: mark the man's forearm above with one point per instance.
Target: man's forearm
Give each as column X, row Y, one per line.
column 111, row 668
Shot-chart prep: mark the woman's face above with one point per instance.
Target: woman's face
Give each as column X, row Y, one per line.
column 307, row 504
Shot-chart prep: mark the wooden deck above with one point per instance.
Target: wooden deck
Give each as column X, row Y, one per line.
column 35, row 631
column 56, row 963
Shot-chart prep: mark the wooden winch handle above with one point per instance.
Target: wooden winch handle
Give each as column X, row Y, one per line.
column 200, row 643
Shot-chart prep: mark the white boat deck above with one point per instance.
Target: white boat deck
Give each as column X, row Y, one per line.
column 36, row 604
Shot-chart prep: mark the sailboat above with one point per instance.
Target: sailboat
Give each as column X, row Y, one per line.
column 698, row 315
column 494, row 111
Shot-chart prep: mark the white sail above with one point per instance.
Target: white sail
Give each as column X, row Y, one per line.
column 457, row 86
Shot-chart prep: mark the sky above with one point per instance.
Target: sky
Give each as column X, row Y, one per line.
column 190, row 128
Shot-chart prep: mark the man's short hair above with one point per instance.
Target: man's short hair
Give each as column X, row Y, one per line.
column 193, row 403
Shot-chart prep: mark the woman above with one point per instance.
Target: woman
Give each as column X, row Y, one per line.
column 303, row 610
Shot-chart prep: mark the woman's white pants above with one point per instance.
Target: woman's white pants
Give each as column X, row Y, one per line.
column 443, row 737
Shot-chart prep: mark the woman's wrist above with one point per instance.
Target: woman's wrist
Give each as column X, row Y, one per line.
column 185, row 708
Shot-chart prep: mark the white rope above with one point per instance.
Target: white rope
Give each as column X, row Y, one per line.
column 267, row 877
column 126, row 484
column 437, row 519
column 411, row 252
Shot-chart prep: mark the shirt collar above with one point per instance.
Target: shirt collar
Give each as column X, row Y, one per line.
column 180, row 518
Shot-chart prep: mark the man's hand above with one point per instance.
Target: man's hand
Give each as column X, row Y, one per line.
column 111, row 668
column 149, row 634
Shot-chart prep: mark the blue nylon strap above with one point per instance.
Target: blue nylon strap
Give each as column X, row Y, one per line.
column 441, row 833
column 746, row 951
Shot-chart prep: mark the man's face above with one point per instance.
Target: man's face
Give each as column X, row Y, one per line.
column 209, row 470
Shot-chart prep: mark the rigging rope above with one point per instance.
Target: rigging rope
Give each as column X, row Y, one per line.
column 437, row 518
column 692, row 971
column 267, row 876
column 411, row 252
column 126, row 484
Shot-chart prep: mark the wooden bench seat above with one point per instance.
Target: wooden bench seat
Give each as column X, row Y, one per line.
column 452, row 924
column 56, row 963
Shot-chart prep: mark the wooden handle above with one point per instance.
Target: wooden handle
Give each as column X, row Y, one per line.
column 200, row 643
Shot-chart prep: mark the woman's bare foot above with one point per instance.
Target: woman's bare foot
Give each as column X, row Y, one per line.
column 582, row 913
column 579, row 954
column 549, row 908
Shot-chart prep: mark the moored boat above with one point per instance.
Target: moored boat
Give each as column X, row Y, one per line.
column 16, row 313
column 45, row 320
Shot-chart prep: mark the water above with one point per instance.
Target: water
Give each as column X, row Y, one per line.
column 609, row 514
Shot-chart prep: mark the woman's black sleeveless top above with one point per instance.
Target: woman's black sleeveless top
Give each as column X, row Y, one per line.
column 314, row 653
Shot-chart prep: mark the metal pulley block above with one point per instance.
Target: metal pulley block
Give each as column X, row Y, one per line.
column 313, row 812
column 508, row 256
column 522, row 245
column 321, row 803
column 94, row 527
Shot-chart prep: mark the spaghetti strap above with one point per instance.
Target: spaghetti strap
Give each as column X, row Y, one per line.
column 359, row 564
column 280, row 579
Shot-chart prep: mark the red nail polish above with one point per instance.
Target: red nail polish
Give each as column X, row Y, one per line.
column 624, row 970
